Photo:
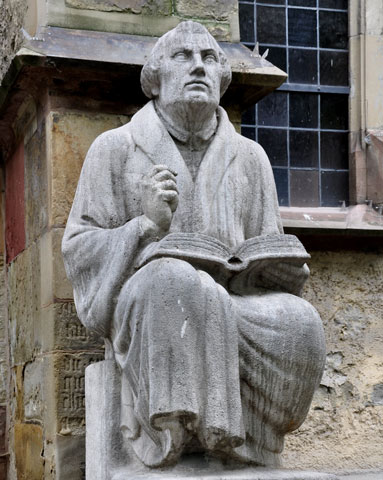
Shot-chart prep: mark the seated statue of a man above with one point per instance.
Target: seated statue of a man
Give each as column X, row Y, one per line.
column 220, row 363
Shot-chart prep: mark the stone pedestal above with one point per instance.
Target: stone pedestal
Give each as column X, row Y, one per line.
column 247, row 474
column 107, row 458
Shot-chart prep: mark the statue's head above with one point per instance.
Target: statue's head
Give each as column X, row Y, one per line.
column 186, row 64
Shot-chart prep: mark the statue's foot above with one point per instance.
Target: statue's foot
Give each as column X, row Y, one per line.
column 216, row 439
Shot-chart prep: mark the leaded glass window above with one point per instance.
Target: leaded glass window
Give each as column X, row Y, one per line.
column 303, row 126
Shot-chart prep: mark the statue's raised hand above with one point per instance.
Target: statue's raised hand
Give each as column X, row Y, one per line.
column 159, row 198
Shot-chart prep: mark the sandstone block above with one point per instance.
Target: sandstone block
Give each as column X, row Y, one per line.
column 3, row 419
column 15, row 204
column 36, row 185
column 374, row 17
column 217, row 10
column 24, row 304
column 62, row 330
column 33, row 389
column 69, row 371
column 54, row 283
column 146, row 7
column 70, row 136
column 70, row 457
column 3, row 373
column 374, row 87
column 28, row 451
column 3, row 468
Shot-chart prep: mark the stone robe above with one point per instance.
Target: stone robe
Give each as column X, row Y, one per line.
column 234, row 366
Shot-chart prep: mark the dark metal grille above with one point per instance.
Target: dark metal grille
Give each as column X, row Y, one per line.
column 303, row 126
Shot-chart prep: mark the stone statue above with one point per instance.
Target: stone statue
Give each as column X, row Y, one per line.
column 216, row 354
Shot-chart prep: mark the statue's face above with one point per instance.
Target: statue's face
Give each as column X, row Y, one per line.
column 190, row 71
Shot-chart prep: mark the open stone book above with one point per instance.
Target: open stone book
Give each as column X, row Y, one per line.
column 254, row 253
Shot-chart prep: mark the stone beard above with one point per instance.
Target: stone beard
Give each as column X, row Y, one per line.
column 224, row 366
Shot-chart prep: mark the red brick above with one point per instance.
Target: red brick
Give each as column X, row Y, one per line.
column 14, row 204
column 3, row 468
column 3, row 414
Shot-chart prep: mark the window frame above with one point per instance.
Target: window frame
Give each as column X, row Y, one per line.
column 360, row 214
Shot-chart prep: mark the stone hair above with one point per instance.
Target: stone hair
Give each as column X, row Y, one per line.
column 150, row 72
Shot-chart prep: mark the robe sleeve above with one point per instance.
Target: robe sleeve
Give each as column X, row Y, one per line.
column 283, row 276
column 103, row 235
column 264, row 211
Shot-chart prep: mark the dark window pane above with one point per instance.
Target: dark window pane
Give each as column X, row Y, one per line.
column 333, row 68
column 303, row 110
column 272, row 110
column 303, row 3
column 248, row 117
column 333, row 29
column 281, row 181
column 274, row 141
column 248, row 132
column 273, row 2
column 340, row 4
column 334, row 188
column 304, row 188
column 304, row 149
column 302, row 27
column 250, row 46
column 271, row 25
column 334, row 150
column 334, row 111
column 302, row 66
column 277, row 56
column 246, row 22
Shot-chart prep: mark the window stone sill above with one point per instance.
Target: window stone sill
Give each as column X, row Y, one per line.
column 356, row 218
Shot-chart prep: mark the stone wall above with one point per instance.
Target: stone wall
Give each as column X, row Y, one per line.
column 3, row 370
column 49, row 348
column 11, row 21
column 345, row 425
column 137, row 17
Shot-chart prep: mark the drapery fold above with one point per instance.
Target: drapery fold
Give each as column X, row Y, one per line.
column 235, row 367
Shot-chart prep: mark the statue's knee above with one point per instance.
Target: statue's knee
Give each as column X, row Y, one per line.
column 172, row 275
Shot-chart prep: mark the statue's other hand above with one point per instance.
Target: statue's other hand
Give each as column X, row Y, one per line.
column 159, row 197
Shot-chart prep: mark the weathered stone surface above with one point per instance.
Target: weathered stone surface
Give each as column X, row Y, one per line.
column 24, row 304
column 15, row 204
column 29, row 451
column 54, row 283
column 215, row 9
column 62, row 330
column 103, row 405
column 344, row 422
column 37, row 380
column 3, row 336
column 70, row 457
column 377, row 394
column 71, row 135
column 11, row 37
column 243, row 474
column 3, row 468
column 69, row 371
column 146, row 7
column 36, row 185
column 3, row 421
column 178, row 309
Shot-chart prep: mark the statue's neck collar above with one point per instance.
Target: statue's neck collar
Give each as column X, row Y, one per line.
column 196, row 139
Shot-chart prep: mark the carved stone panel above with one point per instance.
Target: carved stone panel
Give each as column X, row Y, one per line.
column 148, row 7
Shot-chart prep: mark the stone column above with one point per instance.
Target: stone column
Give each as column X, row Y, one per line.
column 366, row 101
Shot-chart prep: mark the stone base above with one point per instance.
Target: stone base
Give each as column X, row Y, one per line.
column 107, row 458
column 243, row 474
column 201, row 467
